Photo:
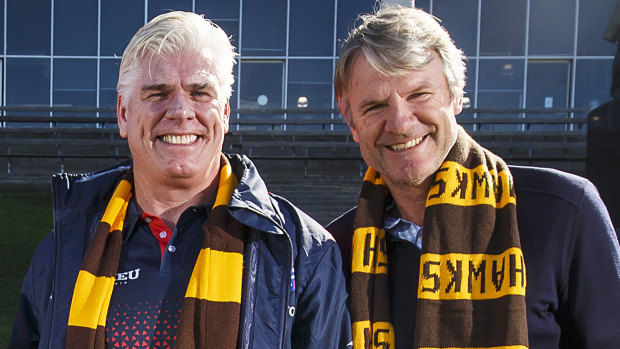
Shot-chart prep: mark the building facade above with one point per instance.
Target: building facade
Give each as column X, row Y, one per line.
column 521, row 53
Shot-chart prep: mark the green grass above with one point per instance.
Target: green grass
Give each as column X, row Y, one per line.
column 25, row 218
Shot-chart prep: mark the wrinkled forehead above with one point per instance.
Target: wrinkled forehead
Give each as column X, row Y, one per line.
column 185, row 67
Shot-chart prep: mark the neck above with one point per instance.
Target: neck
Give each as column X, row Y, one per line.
column 410, row 200
column 169, row 201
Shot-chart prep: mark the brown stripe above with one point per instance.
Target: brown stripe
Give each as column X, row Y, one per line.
column 84, row 337
column 102, row 256
column 480, row 222
column 459, row 323
column 372, row 198
column 223, row 232
column 202, row 325
column 374, row 288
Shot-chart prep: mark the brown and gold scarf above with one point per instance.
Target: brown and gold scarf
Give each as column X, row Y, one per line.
column 471, row 291
column 211, row 308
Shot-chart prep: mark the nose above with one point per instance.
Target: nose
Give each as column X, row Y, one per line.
column 180, row 107
column 400, row 117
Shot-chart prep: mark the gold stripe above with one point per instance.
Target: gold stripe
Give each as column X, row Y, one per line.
column 369, row 253
column 117, row 207
column 92, row 293
column 380, row 334
column 458, row 185
column 371, row 176
column 449, row 276
column 217, row 276
column 501, row 347
column 228, row 183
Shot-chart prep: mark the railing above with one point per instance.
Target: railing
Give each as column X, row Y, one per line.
column 60, row 137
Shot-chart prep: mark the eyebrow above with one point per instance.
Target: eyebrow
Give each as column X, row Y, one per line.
column 192, row 86
column 156, row 87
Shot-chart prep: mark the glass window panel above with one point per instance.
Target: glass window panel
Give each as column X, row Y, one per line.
column 28, row 27
column 309, row 88
column 28, row 81
column 500, row 86
column 348, row 10
column 460, row 18
column 75, row 90
column 262, row 37
column 592, row 82
column 107, row 82
column 27, row 84
column 502, row 28
column 593, row 17
column 552, row 27
column 547, row 87
column 157, row 7
column 307, row 37
column 2, row 32
column 118, row 27
column 75, row 35
column 223, row 13
column 261, row 86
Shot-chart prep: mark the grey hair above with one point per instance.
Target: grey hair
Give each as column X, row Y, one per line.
column 173, row 32
column 395, row 40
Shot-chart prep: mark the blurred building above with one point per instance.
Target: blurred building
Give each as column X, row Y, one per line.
column 522, row 53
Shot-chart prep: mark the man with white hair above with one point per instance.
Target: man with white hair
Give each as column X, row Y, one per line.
column 444, row 233
column 182, row 246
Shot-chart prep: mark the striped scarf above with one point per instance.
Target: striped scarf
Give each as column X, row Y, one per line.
column 471, row 291
column 211, row 308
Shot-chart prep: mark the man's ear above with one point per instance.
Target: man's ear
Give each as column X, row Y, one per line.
column 121, row 116
column 226, row 116
column 458, row 105
column 345, row 112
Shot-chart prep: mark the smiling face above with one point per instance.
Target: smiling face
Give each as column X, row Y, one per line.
column 405, row 125
column 175, row 119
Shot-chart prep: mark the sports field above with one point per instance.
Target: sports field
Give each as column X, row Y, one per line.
column 25, row 218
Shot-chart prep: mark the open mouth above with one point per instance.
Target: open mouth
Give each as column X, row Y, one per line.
column 403, row 146
column 178, row 139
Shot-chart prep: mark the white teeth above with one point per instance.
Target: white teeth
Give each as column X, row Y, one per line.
column 174, row 139
column 410, row 144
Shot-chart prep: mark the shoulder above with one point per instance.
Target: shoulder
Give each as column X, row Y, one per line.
column 300, row 226
column 342, row 230
column 551, row 183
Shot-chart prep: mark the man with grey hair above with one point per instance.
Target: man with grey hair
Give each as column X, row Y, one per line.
column 182, row 246
column 437, row 248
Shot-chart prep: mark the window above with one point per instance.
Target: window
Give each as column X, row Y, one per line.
column 593, row 17
column 75, row 35
column 548, row 87
column 75, row 90
column 120, row 19
column 28, row 27
column 592, row 82
column 502, row 28
column 307, row 36
column 264, row 28
column 309, row 87
column 500, row 86
column 552, row 27
column 261, row 86
column 460, row 19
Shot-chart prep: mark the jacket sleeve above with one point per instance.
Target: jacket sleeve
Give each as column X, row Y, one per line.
column 33, row 299
column 322, row 319
column 594, row 277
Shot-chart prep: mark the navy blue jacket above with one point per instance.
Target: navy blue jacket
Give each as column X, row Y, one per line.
column 571, row 254
column 312, row 314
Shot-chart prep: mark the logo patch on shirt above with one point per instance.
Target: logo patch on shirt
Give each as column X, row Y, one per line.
column 124, row 277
